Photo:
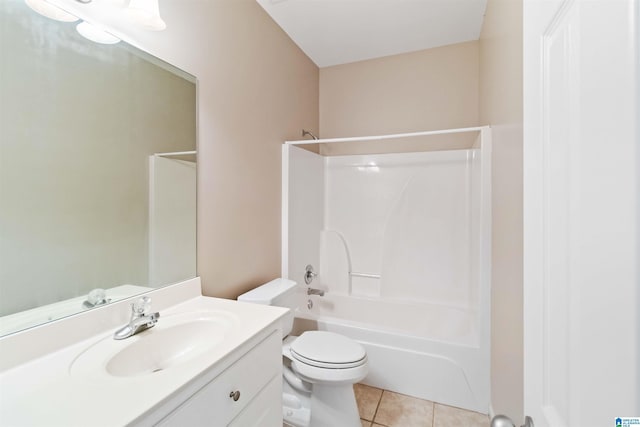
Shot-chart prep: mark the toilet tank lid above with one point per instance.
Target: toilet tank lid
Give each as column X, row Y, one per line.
column 265, row 294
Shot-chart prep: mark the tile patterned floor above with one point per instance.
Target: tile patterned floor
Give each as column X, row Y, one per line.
column 379, row 407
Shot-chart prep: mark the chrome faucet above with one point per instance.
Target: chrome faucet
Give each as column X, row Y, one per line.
column 309, row 274
column 314, row 291
column 140, row 320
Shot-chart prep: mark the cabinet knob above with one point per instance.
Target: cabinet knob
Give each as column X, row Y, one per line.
column 235, row 395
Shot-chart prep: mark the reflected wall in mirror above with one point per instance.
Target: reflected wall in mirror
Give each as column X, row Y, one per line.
column 89, row 198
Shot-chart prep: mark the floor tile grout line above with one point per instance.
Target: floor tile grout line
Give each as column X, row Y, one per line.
column 377, row 407
column 377, row 404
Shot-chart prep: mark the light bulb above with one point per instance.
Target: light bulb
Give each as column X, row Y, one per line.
column 95, row 34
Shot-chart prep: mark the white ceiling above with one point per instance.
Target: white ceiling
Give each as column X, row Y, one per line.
column 335, row 32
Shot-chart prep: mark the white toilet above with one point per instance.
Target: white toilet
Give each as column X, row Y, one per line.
column 319, row 367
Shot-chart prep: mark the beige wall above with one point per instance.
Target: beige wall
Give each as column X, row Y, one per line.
column 256, row 88
column 425, row 90
column 501, row 106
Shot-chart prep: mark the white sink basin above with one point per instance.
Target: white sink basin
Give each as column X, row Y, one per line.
column 176, row 340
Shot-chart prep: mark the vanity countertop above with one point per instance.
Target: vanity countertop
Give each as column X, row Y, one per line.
column 46, row 392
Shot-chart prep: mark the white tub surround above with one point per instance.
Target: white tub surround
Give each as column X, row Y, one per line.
column 402, row 244
column 58, row 374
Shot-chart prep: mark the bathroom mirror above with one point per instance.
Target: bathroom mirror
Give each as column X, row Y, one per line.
column 97, row 170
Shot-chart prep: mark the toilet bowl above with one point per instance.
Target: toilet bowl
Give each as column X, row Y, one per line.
column 321, row 357
column 319, row 367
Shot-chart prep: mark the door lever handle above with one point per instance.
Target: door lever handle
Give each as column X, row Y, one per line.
column 504, row 421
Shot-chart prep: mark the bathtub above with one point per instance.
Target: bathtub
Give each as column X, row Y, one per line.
column 438, row 359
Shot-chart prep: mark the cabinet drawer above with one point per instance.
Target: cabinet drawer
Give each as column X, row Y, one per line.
column 265, row 410
column 213, row 404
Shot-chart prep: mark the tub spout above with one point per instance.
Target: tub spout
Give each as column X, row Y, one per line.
column 314, row 291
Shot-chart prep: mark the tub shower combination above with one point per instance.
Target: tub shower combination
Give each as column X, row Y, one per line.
column 401, row 244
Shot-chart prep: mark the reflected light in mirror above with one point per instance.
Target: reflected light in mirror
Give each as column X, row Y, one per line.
column 50, row 11
column 95, row 34
column 369, row 167
column 146, row 14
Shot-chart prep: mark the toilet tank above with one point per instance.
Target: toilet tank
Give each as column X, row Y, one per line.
column 278, row 292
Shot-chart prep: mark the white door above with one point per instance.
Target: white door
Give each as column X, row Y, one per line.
column 581, row 212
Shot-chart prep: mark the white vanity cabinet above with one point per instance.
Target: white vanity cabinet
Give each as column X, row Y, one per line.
column 247, row 393
column 208, row 362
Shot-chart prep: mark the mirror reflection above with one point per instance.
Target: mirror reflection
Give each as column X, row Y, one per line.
column 97, row 170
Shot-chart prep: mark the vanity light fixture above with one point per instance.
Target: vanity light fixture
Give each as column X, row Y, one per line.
column 146, row 14
column 45, row 8
column 143, row 13
column 95, row 34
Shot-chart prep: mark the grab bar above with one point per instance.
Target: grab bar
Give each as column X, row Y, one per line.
column 367, row 275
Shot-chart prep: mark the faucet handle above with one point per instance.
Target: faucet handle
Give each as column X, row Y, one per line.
column 141, row 306
column 309, row 274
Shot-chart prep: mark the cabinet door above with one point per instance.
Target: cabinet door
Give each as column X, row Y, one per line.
column 265, row 410
column 215, row 404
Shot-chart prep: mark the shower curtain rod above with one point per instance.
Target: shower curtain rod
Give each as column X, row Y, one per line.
column 175, row 153
column 393, row 136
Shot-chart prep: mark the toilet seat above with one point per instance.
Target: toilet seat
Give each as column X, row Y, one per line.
column 345, row 361
column 327, row 350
